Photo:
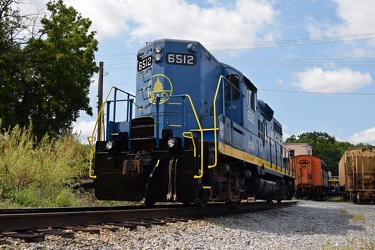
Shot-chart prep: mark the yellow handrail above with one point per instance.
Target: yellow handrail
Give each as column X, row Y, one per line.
column 189, row 135
column 215, row 128
column 201, row 132
column 92, row 138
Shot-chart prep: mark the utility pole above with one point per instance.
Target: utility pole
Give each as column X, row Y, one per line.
column 100, row 100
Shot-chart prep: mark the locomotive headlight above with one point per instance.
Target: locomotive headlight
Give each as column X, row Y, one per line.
column 157, row 57
column 192, row 47
column 158, row 49
column 172, row 142
column 110, row 145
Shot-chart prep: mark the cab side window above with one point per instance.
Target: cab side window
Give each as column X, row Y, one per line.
column 232, row 88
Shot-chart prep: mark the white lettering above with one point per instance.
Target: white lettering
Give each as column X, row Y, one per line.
column 250, row 117
column 250, row 145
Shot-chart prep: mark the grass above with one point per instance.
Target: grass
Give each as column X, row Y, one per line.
column 358, row 217
column 359, row 240
column 337, row 199
column 41, row 174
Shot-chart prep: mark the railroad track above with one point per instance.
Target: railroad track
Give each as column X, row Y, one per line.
column 33, row 224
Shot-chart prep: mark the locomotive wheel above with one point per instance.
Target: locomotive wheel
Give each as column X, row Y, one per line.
column 202, row 203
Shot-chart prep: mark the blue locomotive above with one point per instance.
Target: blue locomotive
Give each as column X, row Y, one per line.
column 195, row 132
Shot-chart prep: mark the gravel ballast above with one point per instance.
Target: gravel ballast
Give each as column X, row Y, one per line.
column 308, row 225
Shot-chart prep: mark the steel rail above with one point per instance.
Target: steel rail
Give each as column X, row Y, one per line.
column 26, row 219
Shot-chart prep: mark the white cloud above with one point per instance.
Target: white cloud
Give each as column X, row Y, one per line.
column 357, row 17
column 108, row 17
column 224, row 21
column 286, row 136
column 331, row 81
column 280, row 81
column 366, row 136
column 242, row 21
column 354, row 18
column 31, row 6
column 84, row 129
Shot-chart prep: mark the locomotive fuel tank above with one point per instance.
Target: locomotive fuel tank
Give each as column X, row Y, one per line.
column 261, row 189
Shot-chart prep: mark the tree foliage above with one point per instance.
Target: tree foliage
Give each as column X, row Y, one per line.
column 10, row 57
column 326, row 147
column 50, row 83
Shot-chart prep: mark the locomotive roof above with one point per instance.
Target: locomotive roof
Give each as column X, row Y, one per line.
column 163, row 40
column 266, row 110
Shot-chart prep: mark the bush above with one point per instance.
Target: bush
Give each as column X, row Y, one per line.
column 40, row 173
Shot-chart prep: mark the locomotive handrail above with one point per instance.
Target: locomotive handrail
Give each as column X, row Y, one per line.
column 221, row 79
column 91, row 139
column 189, row 135
column 219, row 84
column 200, row 130
column 215, row 127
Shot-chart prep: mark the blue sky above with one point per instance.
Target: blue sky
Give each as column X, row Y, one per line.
column 312, row 60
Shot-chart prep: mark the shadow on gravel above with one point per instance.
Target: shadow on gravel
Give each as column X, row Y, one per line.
column 299, row 219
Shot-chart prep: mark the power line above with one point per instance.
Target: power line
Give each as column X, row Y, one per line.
column 125, row 60
column 318, row 93
column 270, row 44
column 292, row 42
column 269, row 62
column 302, row 61
column 370, row 35
column 117, row 55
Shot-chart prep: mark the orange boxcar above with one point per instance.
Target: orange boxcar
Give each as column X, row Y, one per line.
column 311, row 177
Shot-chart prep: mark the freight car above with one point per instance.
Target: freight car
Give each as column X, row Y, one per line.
column 312, row 177
column 357, row 174
column 194, row 133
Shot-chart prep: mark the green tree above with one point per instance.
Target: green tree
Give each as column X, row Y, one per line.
column 52, row 85
column 324, row 146
column 11, row 58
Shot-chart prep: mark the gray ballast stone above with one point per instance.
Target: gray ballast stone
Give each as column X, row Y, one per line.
column 308, row 225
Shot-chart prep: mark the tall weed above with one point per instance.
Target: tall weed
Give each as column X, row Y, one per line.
column 39, row 174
